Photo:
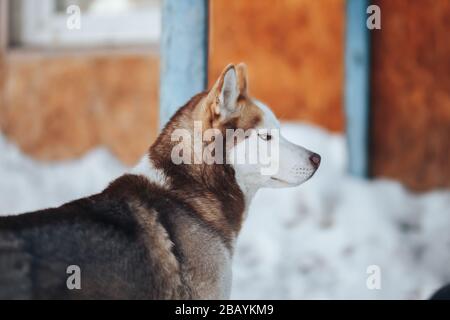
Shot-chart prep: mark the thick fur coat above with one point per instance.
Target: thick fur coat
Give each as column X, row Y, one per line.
column 162, row 231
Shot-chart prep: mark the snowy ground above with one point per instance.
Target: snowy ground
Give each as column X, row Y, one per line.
column 311, row 242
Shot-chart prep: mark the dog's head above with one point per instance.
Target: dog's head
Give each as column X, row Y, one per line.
column 280, row 163
column 225, row 126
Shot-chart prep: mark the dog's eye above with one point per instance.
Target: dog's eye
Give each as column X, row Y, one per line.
column 266, row 137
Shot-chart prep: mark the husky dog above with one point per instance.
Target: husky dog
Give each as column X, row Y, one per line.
column 164, row 230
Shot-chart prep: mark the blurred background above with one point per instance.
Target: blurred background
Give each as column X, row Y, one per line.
column 80, row 107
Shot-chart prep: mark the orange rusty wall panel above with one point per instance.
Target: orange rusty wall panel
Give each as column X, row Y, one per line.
column 294, row 51
column 411, row 93
column 57, row 107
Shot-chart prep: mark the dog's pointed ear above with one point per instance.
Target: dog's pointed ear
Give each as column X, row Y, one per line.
column 222, row 99
column 242, row 78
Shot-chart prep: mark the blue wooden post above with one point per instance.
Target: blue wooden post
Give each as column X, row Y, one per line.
column 184, row 53
column 357, row 81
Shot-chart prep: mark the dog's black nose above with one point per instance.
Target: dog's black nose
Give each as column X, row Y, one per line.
column 315, row 160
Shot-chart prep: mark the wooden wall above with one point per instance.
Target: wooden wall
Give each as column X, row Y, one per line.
column 294, row 51
column 59, row 106
column 411, row 93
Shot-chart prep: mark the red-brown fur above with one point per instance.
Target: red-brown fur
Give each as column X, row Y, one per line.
column 211, row 190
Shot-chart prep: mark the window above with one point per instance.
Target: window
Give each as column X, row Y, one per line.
column 43, row 23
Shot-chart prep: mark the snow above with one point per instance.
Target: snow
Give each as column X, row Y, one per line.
column 28, row 185
column 315, row 241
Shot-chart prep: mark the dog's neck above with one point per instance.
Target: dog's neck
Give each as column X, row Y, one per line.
column 216, row 194
column 248, row 189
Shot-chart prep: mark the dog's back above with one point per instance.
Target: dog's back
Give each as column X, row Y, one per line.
column 99, row 234
column 122, row 240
